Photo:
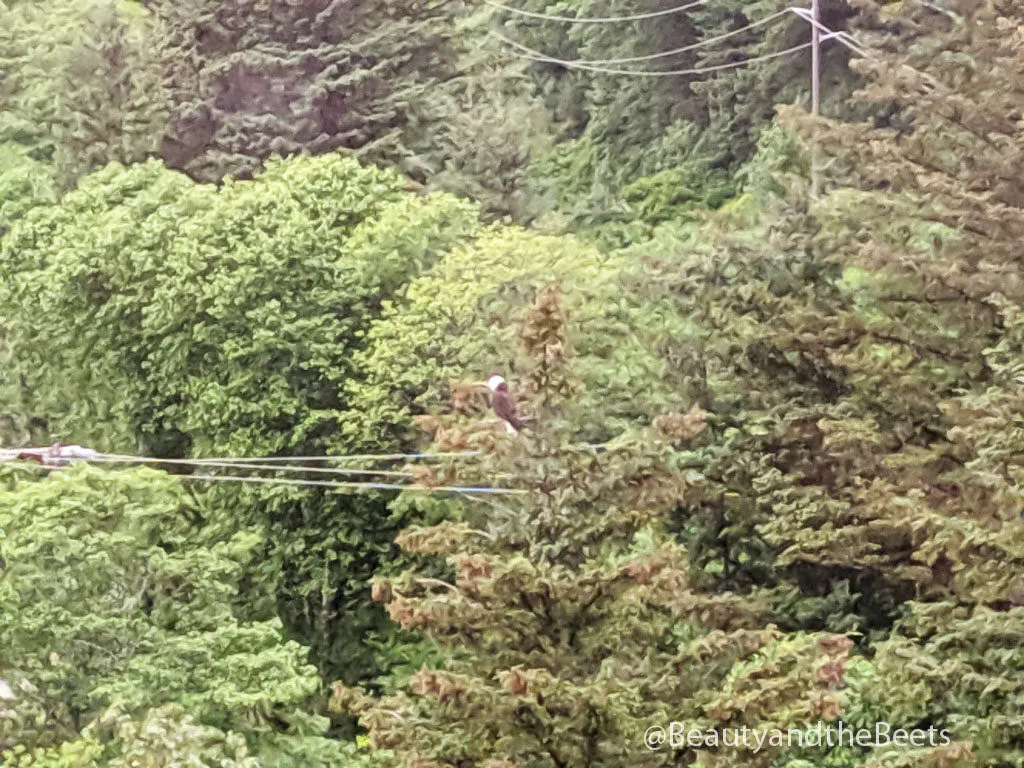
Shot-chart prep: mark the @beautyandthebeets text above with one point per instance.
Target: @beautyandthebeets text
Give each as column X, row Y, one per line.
column 679, row 735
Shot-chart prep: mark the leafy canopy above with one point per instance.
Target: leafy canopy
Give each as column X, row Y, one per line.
column 117, row 622
column 147, row 311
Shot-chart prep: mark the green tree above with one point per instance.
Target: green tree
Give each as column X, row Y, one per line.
column 163, row 737
column 145, row 309
column 252, row 80
column 115, row 595
column 570, row 615
column 658, row 147
column 398, row 83
column 482, row 131
column 925, row 221
column 80, row 85
column 621, row 114
column 739, row 102
column 455, row 323
column 844, row 471
column 24, row 184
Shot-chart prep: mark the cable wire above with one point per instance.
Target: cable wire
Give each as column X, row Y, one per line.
column 267, row 464
column 468, row 491
column 465, row 490
column 367, row 457
column 596, row 20
column 244, row 464
column 353, row 457
column 653, row 56
column 844, row 37
column 538, row 56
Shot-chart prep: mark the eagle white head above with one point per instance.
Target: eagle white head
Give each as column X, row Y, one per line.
column 494, row 382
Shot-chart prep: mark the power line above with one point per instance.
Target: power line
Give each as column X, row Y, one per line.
column 844, row 37
column 604, row 20
column 596, row 65
column 651, row 56
column 63, row 454
column 538, row 56
column 466, row 490
column 57, row 458
column 352, row 457
column 366, row 457
column 244, row 464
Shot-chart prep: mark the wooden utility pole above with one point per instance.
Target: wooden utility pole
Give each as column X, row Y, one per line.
column 815, row 88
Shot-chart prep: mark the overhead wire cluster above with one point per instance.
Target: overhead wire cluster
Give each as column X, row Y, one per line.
column 59, row 457
column 603, row 65
column 211, row 470
column 290, row 464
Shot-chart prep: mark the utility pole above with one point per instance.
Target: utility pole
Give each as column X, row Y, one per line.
column 815, row 88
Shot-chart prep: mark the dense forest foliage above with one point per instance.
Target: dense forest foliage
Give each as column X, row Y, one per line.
column 772, row 474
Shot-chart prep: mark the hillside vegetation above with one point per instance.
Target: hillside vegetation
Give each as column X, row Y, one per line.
column 771, row 477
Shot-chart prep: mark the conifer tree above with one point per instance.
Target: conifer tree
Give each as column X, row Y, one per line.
column 119, row 640
column 80, row 85
column 617, row 128
column 917, row 482
column 570, row 617
column 925, row 336
column 229, row 323
column 739, row 102
column 688, row 131
column 255, row 79
column 398, row 83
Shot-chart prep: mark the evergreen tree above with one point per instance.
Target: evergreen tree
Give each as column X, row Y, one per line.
column 459, row 316
column 480, row 133
column 24, row 184
column 145, row 310
column 739, row 102
column 118, row 636
column 925, row 337
column 254, row 79
column 399, row 83
column 79, row 84
column 571, row 618
column 688, row 132
column 616, row 128
column 919, row 487
column 864, row 410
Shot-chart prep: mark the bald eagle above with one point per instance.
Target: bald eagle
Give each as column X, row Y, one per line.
column 502, row 404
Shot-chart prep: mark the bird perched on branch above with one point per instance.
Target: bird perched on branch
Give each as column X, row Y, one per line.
column 501, row 402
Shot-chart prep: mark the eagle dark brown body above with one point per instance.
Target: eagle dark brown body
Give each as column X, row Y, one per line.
column 503, row 406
